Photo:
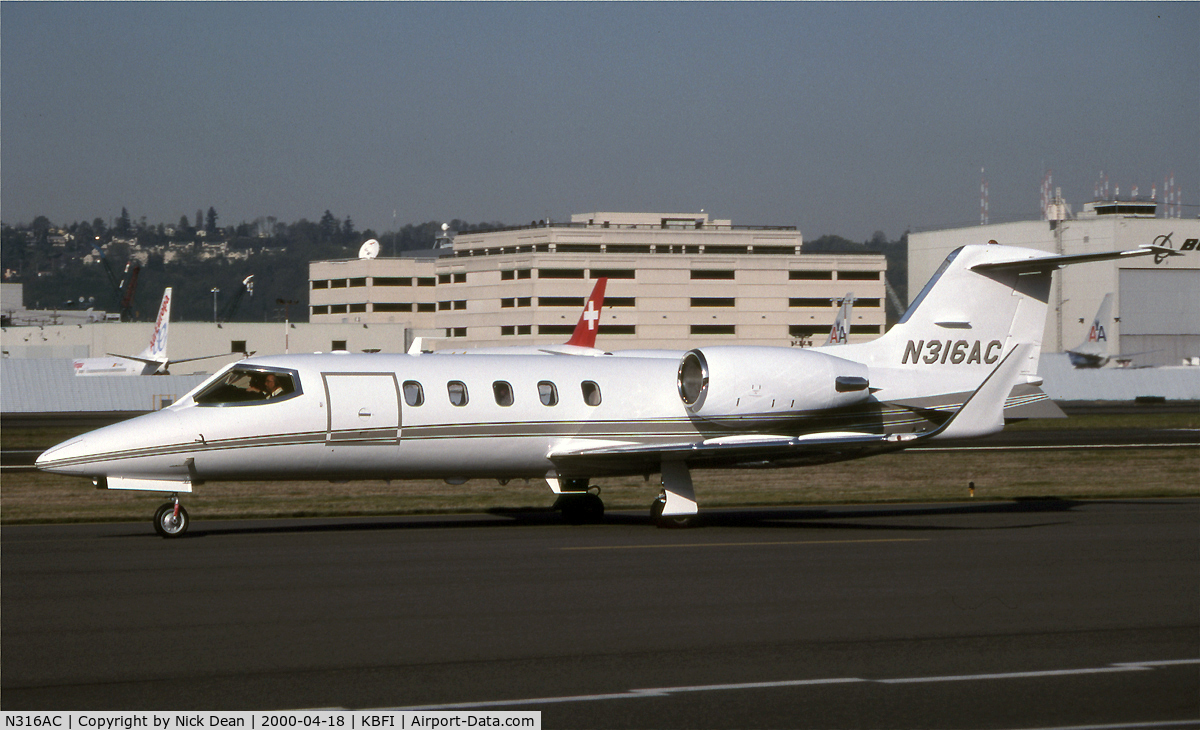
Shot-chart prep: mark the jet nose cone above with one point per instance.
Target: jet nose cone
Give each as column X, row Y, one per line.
column 64, row 458
column 119, row 448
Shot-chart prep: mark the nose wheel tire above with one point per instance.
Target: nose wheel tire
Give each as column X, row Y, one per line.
column 169, row 524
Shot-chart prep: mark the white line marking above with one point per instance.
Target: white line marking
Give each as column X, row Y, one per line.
column 1019, row 675
column 667, row 691
column 663, row 692
column 1124, row 725
column 746, row 544
column 1050, row 447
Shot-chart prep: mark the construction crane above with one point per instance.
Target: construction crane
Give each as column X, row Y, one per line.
column 123, row 288
column 231, row 308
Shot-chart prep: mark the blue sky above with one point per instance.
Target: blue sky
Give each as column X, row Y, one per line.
column 839, row 118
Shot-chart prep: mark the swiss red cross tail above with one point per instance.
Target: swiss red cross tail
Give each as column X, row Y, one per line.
column 589, row 322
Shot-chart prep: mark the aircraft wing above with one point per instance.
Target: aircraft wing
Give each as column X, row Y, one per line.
column 747, row 451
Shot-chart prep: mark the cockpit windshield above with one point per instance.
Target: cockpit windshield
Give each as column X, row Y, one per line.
column 247, row 385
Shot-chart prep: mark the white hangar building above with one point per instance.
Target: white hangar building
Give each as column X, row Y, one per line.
column 675, row 281
column 1156, row 300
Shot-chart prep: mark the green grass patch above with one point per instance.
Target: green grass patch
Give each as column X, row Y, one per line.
column 1101, row 421
column 915, row 476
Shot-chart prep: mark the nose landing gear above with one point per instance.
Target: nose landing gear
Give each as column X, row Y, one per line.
column 171, row 519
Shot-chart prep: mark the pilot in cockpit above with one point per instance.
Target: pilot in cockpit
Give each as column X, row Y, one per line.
column 266, row 385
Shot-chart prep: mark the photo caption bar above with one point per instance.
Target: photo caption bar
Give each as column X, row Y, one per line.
column 313, row 719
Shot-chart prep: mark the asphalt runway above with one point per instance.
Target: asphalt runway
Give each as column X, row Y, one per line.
column 1043, row 613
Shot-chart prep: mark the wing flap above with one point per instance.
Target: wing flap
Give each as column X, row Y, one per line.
column 726, row 451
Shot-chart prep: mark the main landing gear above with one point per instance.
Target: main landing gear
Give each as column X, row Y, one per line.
column 659, row 520
column 676, row 504
column 578, row 502
column 171, row 519
column 675, row 507
column 578, row 509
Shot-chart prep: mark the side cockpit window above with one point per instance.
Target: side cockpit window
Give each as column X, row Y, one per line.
column 243, row 385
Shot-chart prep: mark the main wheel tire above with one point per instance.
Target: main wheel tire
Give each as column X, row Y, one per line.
column 578, row 509
column 165, row 522
column 593, row 508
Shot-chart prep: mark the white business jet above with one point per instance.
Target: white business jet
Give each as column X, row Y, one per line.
column 151, row 361
column 944, row 370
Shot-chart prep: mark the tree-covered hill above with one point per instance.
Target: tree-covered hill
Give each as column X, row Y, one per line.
column 61, row 267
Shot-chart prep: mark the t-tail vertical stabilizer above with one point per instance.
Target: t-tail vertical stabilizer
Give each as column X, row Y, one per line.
column 1093, row 352
column 156, row 351
column 150, row 361
column 981, row 303
column 589, row 321
column 153, row 360
column 838, row 334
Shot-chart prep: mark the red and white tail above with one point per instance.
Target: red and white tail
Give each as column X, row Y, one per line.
column 589, row 322
column 157, row 350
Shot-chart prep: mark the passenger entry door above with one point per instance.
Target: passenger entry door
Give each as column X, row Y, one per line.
column 364, row 408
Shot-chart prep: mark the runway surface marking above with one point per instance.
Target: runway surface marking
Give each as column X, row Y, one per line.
column 1124, row 725
column 1052, row 447
column 667, row 691
column 743, row 544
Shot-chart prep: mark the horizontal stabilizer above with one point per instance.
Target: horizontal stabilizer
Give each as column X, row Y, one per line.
column 1030, row 401
column 144, row 360
column 1050, row 263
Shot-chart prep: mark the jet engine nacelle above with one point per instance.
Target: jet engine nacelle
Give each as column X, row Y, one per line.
column 717, row 382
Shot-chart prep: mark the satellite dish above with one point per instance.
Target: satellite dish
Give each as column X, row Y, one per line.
column 369, row 250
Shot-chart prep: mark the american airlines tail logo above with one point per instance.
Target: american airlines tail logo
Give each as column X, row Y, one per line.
column 960, row 352
column 1097, row 333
